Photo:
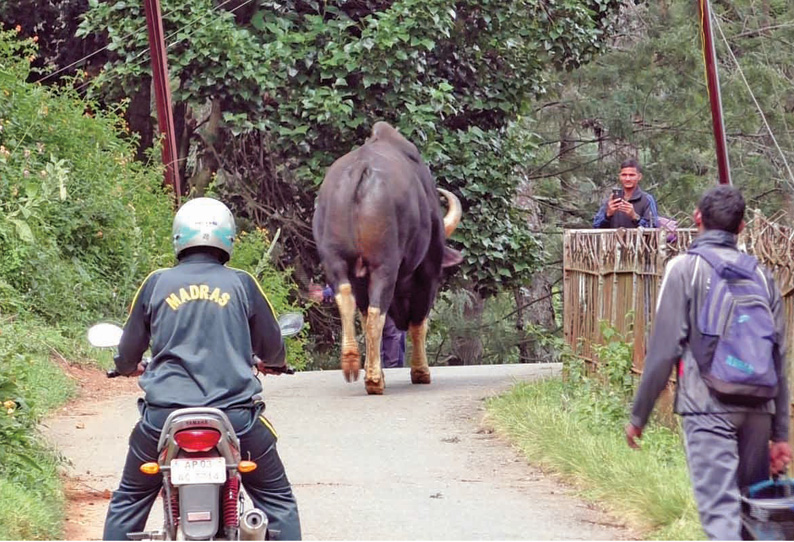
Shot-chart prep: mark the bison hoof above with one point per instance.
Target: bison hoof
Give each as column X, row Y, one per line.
column 351, row 366
column 375, row 388
column 420, row 376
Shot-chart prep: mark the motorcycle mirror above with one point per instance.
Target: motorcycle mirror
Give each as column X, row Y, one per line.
column 104, row 335
column 290, row 323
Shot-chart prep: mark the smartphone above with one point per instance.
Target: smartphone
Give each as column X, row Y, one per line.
column 616, row 193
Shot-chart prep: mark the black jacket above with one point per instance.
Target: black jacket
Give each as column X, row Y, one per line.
column 204, row 321
column 644, row 205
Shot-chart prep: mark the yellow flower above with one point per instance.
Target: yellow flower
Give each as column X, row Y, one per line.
column 10, row 404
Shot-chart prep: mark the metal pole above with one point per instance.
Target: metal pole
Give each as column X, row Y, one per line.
column 162, row 93
column 715, row 98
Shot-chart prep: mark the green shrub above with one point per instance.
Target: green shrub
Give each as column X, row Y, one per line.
column 32, row 512
column 31, row 500
column 82, row 222
column 607, row 387
column 251, row 254
column 496, row 328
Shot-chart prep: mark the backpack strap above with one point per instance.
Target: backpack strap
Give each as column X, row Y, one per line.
column 744, row 267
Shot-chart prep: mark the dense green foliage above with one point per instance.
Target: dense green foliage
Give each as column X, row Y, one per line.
column 82, row 220
column 82, row 223
column 646, row 97
column 306, row 81
column 496, row 327
column 77, row 230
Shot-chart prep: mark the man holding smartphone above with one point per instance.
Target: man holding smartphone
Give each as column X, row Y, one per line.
column 628, row 207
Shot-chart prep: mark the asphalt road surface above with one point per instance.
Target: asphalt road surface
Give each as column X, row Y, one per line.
column 418, row 463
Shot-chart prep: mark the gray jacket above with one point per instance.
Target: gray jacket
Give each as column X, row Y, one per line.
column 204, row 322
column 681, row 295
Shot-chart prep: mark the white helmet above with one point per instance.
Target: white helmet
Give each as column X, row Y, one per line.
column 203, row 222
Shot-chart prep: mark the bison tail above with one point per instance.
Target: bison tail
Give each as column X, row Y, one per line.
column 361, row 268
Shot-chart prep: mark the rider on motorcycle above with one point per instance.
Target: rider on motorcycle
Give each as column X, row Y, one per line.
column 203, row 321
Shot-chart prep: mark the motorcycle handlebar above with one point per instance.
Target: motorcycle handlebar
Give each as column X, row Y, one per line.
column 113, row 373
column 283, row 370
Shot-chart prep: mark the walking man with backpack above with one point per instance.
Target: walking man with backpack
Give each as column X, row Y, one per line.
column 720, row 321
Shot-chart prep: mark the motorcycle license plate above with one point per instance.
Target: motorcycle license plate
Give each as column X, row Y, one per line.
column 209, row 470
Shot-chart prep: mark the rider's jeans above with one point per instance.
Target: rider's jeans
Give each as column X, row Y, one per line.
column 267, row 485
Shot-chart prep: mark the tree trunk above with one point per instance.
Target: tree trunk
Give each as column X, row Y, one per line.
column 523, row 350
column 466, row 344
column 139, row 117
column 534, row 302
column 766, row 20
column 207, row 163
column 182, row 134
column 539, row 313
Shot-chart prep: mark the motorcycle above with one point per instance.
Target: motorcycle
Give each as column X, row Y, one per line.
column 199, row 459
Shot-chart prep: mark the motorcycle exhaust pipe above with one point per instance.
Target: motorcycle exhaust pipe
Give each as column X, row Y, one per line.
column 253, row 525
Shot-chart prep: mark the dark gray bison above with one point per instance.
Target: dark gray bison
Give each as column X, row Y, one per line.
column 381, row 236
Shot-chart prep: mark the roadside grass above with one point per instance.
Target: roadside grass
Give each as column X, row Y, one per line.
column 31, row 495
column 32, row 503
column 649, row 489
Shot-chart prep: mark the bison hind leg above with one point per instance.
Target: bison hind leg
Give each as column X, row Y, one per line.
column 420, row 371
column 351, row 360
column 373, row 327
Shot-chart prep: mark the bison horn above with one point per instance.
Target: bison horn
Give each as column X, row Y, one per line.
column 452, row 219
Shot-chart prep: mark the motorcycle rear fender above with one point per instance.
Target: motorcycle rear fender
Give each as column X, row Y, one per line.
column 199, row 510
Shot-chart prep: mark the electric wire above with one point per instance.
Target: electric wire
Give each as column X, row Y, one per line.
column 790, row 180
column 94, row 53
column 171, row 35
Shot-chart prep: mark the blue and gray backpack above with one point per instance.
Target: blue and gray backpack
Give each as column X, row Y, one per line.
column 736, row 331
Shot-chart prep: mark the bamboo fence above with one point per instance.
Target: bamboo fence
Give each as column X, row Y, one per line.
column 614, row 276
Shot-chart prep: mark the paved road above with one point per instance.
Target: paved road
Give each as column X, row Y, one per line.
column 416, row 463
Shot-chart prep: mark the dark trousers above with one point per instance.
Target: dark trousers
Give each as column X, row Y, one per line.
column 267, row 485
column 725, row 453
column 392, row 349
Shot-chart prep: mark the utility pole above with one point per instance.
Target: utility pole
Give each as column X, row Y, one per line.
column 715, row 98
column 162, row 93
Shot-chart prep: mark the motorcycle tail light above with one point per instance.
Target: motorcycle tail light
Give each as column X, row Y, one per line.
column 197, row 440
